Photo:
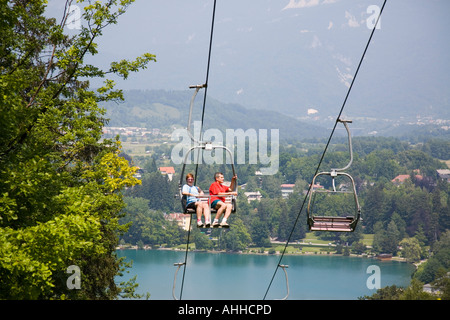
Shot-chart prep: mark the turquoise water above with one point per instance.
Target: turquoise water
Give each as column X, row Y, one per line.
column 221, row 276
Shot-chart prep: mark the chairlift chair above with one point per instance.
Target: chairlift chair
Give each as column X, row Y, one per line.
column 206, row 197
column 346, row 223
column 206, row 146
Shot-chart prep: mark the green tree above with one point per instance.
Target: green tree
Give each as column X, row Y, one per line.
column 201, row 240
column 392, row 239
column 260, row 233
column 150, row 165
column 60, row 184
column 157, row 189
column 386, row 293
column 386, row 240
column 442, row 283
column 272, row 186
column 381, row 163
column 238, row 237
column 440, row 260
column 439, row 149
column 411, row 249
column 415, row 292
column 295, row 218
column 284, row 226
column 375, row 205
column 358, row 247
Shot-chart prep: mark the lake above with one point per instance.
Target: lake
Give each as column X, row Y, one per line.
column 223, row 276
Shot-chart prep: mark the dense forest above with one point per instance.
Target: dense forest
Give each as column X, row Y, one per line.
column 407, row 219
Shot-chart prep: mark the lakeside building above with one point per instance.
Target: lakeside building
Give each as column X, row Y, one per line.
column 401, row 178
column 444, row 174
column 169, row 171
column 252, row 196
column 182, row 219
column 286, row 190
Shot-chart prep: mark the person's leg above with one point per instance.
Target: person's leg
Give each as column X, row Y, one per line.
column 207, row 214
column 228, row 208
column 220, row 207
column 198, row 210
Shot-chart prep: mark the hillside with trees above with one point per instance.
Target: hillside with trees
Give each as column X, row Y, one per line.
column 407, row 219
column 167, row 109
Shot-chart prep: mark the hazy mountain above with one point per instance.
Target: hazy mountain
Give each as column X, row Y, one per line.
column 169, row 109
column 294, row 56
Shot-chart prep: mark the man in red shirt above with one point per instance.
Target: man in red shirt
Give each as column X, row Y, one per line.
column 218, row 191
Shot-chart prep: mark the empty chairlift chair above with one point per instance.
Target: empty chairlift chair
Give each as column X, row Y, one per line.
column 347, row 209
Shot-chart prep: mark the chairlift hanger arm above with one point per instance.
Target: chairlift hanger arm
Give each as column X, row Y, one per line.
column 350, row 147
column 197, row 89
column 178, row 265
column 197, row 86
column 284, row 266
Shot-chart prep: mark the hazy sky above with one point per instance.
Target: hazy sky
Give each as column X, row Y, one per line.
column 298, row 53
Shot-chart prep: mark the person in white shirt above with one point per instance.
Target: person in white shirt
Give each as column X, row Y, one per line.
column 192, row 201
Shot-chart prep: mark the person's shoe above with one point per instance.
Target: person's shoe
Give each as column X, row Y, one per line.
column 200, row 224
column 215, row 224
column 207, row 224
column 224, row 225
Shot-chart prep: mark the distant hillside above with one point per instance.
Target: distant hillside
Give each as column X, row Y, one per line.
column 292, row 56
column 165, row 109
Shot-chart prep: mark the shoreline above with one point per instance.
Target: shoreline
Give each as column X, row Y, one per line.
column 266, row 253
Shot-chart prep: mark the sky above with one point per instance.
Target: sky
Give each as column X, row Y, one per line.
column 295, row 56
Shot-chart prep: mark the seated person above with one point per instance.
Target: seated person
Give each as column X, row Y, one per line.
column 192, row 192
column 217, row 191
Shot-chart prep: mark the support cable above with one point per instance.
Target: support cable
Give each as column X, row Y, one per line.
column 201, row 134
column 326, row 147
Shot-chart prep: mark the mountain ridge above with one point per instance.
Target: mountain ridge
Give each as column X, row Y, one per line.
column 170, row 109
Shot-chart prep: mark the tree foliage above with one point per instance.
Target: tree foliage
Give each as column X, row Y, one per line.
column 60, row 184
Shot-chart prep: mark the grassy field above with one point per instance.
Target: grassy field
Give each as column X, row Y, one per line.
column 447, row 162
column 310, row 244
column 138, row 149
